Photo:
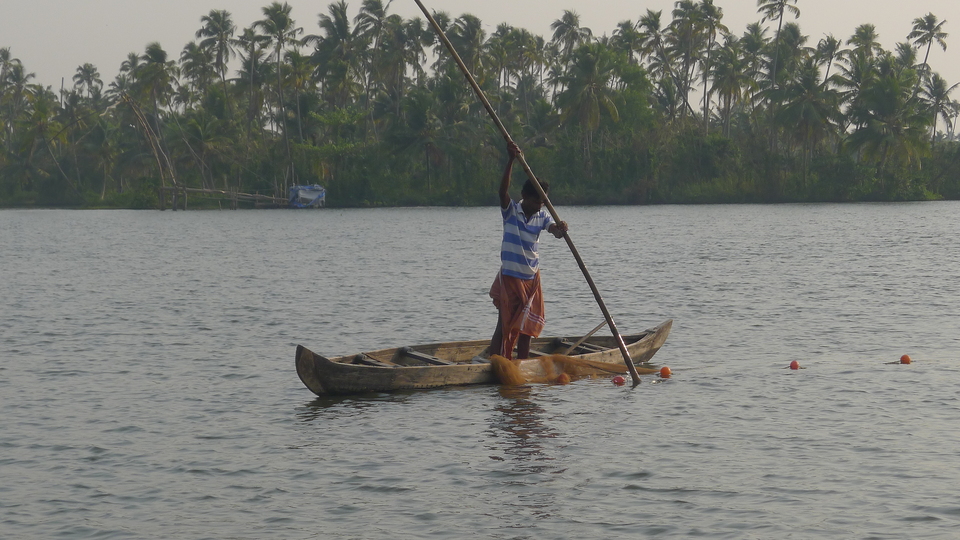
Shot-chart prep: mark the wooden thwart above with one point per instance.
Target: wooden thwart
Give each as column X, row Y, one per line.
column 365, row 360
column 425, row 358
column 586, row 347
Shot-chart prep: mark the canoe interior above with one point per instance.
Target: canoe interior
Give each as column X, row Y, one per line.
column 457, row 363
column 466, row 352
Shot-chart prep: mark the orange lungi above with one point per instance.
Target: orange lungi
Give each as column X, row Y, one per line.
column 520, row 302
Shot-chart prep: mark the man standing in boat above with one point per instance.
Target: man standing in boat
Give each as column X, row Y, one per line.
column 516, row 290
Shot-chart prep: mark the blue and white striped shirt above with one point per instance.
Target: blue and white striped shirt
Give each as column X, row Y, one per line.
column 518, row 252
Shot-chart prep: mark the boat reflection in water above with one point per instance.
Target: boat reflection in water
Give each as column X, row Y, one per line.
column 520, row 439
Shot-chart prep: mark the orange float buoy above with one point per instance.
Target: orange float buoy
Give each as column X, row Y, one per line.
column 665, row 372
column 905, row 359
column 563, row 379
column 794, row 365
column 619, row 380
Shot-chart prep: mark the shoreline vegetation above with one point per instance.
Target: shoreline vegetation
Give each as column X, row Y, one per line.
column 670, row 107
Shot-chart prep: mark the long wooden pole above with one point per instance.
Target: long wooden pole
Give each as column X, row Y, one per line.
column 543, row 196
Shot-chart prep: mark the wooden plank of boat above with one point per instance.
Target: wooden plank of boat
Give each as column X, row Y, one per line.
column 456, row 363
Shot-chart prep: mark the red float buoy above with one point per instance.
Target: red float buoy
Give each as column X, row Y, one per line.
column 619, row 380
column 794, row 365
column 665, row 372
column 905, row 359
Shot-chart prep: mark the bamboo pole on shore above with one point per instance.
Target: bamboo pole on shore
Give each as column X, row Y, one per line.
column 179, row 197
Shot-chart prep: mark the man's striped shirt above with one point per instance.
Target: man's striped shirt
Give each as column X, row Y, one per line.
column 518, row 252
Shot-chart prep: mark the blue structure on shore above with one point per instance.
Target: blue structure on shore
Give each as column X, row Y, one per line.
column 313, row 196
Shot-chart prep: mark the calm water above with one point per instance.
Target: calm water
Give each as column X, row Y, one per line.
column 147, row 385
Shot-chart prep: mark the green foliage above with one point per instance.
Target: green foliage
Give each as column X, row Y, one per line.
column 373, row 108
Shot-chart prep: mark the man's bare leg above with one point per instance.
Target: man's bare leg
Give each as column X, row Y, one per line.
column 523, row 347
column 496, row 342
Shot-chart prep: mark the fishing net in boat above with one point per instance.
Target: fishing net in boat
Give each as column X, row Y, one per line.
column 554, row 368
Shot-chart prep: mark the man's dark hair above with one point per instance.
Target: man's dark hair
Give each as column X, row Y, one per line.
column 529, row 190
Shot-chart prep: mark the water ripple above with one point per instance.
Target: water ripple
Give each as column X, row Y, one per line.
column 148, row 390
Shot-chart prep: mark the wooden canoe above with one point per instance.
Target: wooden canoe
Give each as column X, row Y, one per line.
column 458, row 363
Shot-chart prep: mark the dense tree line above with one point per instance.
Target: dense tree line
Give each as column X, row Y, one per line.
column 672, row 107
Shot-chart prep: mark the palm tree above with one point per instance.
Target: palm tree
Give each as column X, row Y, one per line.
column 152, row 79
column 6, row 61
column 856, row 73
column 299, row 77
column 865, row 41
column 87, row 77
column 339, row 53
column 525, row 66
column 253, row 46
column 568, row 33
column 401, row 51
column 685, row 41
column 419, row 130
column 661, row 58
column 627, row 40
column 809, row 109
column 891, row 123
column 218, row 30
column 587, row 91
column 204, row 134
column 444, row 22
column 535, row 51
column 653, row 46
column 729, row 70
column 928, row 30
column 905, row 57
column 498, row 50
column 197, row 65
column 131, row 64
column 419, row 35
column 773, row 10
column 121, row 85
column 73, row 115
column 828, row 51
column 954, row 107
column 553, row 68
column 754, row 42
column 370, row 22
column 651, row 33
column 280, row 27
column 937, row 95
column 468, row 38
column 156, row 75
column 711, row 25
column 793, row 51
column 103, row 151
column 42, row 129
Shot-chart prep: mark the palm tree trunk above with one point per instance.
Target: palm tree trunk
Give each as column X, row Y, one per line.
column 426, row 161
column 706, row 92
column 776, row 60
column 283, row 125
column 59, row 168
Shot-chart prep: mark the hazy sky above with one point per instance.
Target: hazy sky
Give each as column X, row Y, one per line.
column 53, row 37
